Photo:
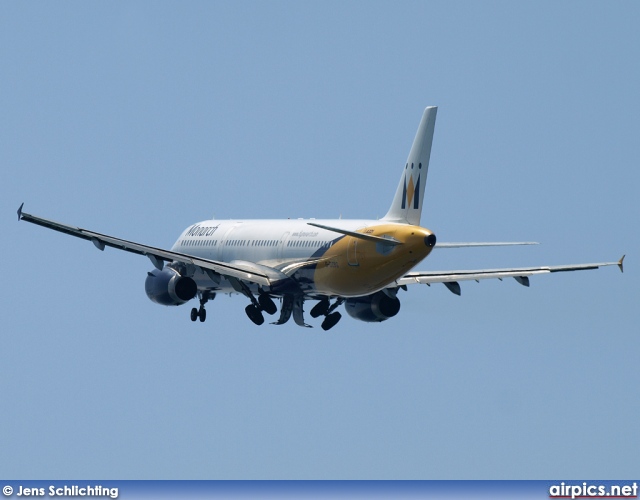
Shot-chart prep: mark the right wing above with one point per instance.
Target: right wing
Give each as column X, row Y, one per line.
column 521, row 274
column 158, row 256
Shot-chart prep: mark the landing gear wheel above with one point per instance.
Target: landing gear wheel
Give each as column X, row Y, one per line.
column 320, row 309
column 266, row 304
column 203, row 314
column 254, row 314
column 331, row 320
column 194, row 314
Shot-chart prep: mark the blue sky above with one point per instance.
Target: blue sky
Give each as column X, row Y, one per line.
column 137, row 119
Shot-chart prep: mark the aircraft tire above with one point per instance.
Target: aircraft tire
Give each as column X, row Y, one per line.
column 194, row 314
column 203, row 315
column 320, row 309
column 254, row 314
column 267, row 304
column 331, row 321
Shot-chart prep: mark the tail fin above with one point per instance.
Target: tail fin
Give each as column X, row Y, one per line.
column 407, row 204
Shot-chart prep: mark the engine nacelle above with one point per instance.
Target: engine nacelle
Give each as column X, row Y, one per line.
column 168, row 288
column 372, row 308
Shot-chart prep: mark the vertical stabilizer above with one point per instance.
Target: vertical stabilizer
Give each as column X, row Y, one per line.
column 407, row 204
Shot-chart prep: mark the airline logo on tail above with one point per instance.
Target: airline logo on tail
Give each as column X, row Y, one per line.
column 411, row 193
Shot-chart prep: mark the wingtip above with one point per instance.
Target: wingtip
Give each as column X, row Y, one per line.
column 620, row 263
column 20, row 212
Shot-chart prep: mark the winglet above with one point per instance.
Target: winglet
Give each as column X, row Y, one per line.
column 20, row 212
column 620, row 263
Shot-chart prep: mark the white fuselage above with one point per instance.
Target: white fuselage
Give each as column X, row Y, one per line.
column 298, row 249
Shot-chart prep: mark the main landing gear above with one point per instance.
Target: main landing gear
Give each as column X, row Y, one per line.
column 264, row 303
column 201, row 312
column 324, row 308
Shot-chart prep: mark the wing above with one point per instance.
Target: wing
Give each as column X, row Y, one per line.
column 157, row 256
column 521, row 274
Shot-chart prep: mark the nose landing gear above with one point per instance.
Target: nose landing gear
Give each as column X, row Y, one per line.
column 201, row 312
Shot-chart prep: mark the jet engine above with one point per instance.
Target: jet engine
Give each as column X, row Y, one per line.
column 169, row 288
column 372, row 308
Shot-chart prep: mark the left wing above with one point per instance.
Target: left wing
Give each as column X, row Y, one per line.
column 158, row 256
column 521, row 274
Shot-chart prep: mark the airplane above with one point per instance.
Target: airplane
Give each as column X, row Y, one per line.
column 359, row 263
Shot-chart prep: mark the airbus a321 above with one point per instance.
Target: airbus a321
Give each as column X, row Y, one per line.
column 361, row 264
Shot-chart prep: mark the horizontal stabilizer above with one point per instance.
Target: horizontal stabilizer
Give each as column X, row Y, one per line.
column 368, row 237
column 487, row 244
